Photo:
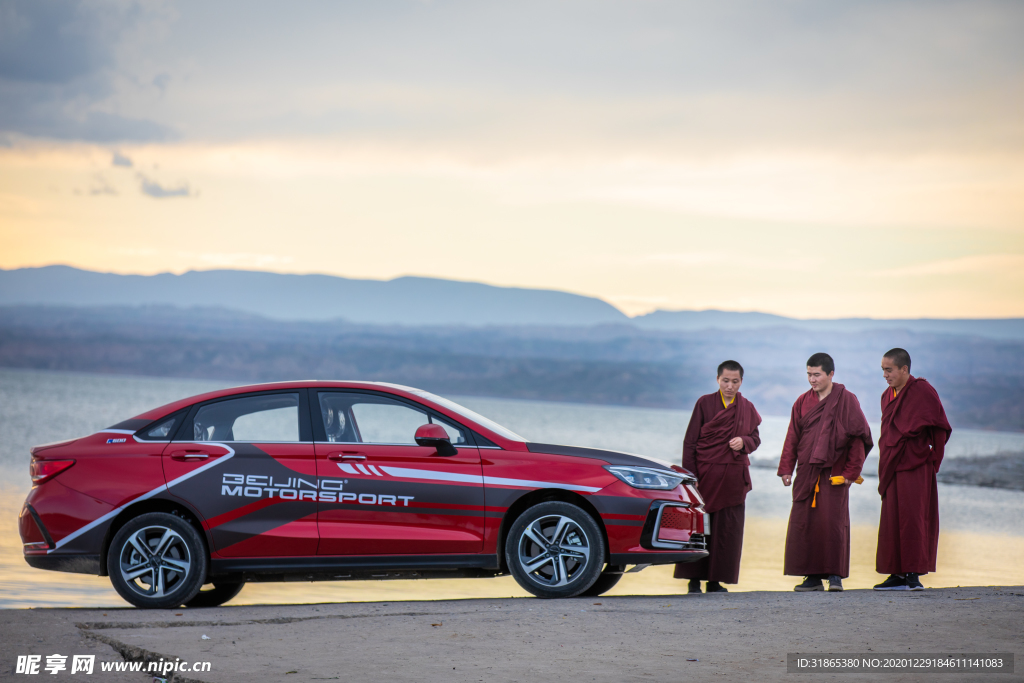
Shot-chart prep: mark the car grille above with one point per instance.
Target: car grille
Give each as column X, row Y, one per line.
column 673, row 518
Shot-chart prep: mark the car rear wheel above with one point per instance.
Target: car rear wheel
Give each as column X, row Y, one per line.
column 216, row 593
column 157, row 561
column 555, row 550
column 609, row 577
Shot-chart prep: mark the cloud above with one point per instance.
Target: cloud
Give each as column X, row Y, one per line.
column 121, row 160
column 100, row 186
column 527, row 79
column 154, row 189
column 691, row 258
column 239, row 259
column 749, row 261
column 61, row 76
column 245, row 259
column 38, row 119
column 652, row 78
column 51, row 42
column 965, row 265
column 161, row 81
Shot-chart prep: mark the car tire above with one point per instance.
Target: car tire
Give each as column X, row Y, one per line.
column 555, row 550
column 157, row 561
column 216, row 594
column 605, row 582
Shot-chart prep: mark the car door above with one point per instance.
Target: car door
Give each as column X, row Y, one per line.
column 247, row 464
column 384, row 495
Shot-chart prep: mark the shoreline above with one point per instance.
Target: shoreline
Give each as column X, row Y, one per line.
column 1000, row 471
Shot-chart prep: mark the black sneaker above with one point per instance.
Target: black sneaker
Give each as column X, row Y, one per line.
column 914, row 582
column 694, row 586
column 835, row 584
column 895, row 582
column 715, row 587
column 811, row 583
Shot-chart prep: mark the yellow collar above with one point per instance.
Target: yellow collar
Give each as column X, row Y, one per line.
column 722, row 396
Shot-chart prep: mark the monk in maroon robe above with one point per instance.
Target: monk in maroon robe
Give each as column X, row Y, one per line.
column 910, row 449
column 721, row 435
column 827, row 442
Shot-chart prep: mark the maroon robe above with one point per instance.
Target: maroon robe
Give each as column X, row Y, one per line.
column 826, row 438
column 910, row 449
column 723, row 477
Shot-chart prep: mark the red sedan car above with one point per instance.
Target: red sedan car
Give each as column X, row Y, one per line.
column 345, row 480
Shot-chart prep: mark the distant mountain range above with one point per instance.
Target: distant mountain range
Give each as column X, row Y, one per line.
column 412, row 301
column 981, row 381
column 993, row 328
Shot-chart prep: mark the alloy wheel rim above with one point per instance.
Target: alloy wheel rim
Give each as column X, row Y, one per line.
column 554, row 551
column 155, row 561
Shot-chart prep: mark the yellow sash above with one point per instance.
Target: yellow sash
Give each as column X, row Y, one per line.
column 836, row 481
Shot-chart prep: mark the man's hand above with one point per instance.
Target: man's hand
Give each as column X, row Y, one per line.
column 787, row 479
column 736, row 443
column 847, row 482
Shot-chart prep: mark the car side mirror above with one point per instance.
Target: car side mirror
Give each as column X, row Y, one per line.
column 434, row 436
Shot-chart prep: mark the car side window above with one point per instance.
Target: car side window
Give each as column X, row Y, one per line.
column 387, row 422
column 367, row 418
column 256, row 419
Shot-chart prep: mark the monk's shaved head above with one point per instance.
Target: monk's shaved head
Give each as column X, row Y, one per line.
column 730, row 365
column 896, row 369
column 899, row 357
column 823, row 361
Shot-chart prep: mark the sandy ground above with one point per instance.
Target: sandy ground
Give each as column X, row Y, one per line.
column 734, row 637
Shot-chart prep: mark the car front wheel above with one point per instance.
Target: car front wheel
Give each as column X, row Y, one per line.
column 216, row 594
column 157, row 561
column 609, row 577
column 555, row 550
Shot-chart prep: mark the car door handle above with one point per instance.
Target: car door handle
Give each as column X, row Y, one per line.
column 347, row 456
column 189, row 455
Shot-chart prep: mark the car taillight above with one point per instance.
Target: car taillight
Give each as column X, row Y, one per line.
column 44, row 470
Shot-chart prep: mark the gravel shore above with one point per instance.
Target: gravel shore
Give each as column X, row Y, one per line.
column 735, row 636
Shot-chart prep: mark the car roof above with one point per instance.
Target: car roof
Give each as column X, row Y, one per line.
column 410, row 393
column 167, row 409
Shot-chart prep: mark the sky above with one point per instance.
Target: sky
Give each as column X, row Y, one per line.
column 806, row 159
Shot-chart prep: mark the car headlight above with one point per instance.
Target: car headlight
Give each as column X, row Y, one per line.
column 647, row 477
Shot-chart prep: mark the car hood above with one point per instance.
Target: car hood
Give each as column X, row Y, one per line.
column 611, row 457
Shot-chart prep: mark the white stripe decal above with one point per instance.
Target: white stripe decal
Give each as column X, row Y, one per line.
column 432, row 475
column 231, row 453
column 501, row 481
column 363, row 469
column 474, row 479
column 116, row 431
column 159, row 489
column 347, row 468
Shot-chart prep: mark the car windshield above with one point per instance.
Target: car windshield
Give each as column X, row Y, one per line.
column 469, row 415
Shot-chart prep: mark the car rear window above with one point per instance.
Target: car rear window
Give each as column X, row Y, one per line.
column 256, row 419
column 165, row 429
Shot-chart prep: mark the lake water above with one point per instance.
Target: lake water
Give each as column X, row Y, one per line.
column 982, row 539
